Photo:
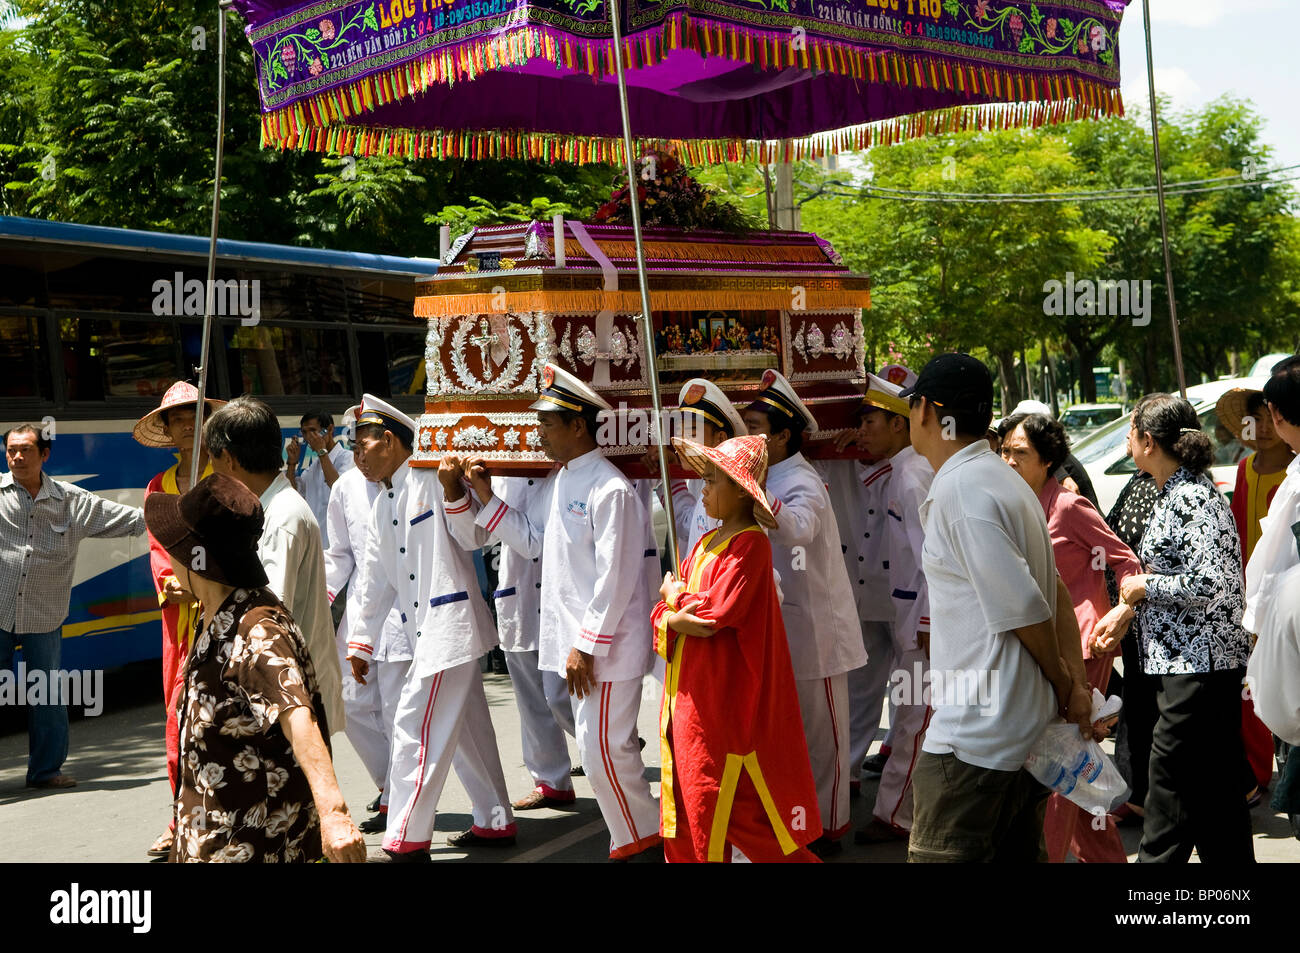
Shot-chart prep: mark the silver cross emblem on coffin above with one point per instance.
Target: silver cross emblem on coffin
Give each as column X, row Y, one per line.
column 485, row 340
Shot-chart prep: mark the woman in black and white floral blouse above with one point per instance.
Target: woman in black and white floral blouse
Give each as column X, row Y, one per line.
column 1190, row 600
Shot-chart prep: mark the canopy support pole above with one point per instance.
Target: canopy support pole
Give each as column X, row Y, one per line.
column 209, row 298
column 647, row 320
column 1160, row 200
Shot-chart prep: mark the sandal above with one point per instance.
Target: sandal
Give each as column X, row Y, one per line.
column 162, row 847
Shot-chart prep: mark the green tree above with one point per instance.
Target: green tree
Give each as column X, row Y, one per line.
column 109, row 118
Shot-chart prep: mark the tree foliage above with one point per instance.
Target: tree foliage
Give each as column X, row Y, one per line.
column 109, row 118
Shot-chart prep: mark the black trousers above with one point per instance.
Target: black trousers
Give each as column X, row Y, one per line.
column 1137, row 721
column 1195, row 798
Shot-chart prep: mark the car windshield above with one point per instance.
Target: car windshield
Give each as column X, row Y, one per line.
column 1101, row 444
column 1091, row 417
column 1105, row 443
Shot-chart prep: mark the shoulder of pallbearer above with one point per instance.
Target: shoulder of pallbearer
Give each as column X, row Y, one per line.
column 560, row 390
column 705, row 399
column 884, row 390
column 375, row 411
column 777, row 394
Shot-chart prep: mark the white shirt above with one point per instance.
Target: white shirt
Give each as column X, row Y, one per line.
column 348, row 518
column 821, row 620
column 858, row 499
column 988, row 561
column 1274, row 669
column 518, row 596
column 291, row 552
column 594, row 536
column 1276, row 551
column 413, row 555
column 908, row 487
column 314, row 489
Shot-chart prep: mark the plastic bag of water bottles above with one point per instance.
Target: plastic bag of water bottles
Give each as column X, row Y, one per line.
column 1077, row 768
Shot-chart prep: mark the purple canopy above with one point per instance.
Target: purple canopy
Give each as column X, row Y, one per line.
column 720, row 78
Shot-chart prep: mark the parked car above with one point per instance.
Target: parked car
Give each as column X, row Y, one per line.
column 1080, row 420
column 1104, row 453
column 1264, row 365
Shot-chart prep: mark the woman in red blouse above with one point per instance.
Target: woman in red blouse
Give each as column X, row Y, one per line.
column 1035, row 446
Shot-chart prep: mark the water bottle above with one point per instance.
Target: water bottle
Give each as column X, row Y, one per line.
column 1075, row 767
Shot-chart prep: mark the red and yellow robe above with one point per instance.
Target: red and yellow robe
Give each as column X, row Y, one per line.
column 177, row 625
column 734, row 761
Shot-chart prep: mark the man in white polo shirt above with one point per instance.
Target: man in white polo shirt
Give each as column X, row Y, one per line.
column 999, row 674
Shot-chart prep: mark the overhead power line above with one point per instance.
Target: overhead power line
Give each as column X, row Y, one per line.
column 1187, row 187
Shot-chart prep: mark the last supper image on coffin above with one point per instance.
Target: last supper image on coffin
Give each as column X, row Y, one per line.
column 727, row 307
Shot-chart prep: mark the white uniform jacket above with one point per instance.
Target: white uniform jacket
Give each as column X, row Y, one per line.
column 348, row 517
column 594, row 537
column 821, row 620
column 518, row 595
column 314, row 489
column 909, row 485
column 857, row 492
column 412, row 555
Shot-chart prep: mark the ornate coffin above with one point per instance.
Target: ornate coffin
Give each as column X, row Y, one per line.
column 726, row 306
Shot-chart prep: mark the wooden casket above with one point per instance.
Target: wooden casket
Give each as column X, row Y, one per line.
column 726, row 306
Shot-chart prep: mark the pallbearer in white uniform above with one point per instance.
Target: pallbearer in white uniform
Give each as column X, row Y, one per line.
column 886, row 427
column 858, row 498
column 593, row 535
column 370, row 704
column 707, row 416
column 817, row 603
column 541, row 697
column 412, row 556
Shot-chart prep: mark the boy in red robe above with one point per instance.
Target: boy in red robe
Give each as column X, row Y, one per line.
column 171, row 425
column 736, row 783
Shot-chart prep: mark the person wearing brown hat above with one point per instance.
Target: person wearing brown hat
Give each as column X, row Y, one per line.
column 735, row 780
column 256, row 779
column 171, row 425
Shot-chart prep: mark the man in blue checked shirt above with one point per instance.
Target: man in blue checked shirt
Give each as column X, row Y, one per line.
column 42, row 524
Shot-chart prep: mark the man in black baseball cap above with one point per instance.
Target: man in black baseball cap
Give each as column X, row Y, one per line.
column 961, row 389
column 994, row 593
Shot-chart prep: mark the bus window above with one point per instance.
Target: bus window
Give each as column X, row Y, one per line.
column 268, row 361
column 23, row 370
column 107, row 358
column 392, row 362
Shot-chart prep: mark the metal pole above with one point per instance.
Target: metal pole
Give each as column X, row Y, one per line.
column 212, row 242
column 647, row 320
column 1160, row 200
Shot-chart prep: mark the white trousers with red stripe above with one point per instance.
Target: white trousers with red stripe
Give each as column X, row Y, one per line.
column 544, row 716
column 824, row 705
column 608, row 744
column 443, row 721
column 371, row 709
column 867, row 687
column 894, row 796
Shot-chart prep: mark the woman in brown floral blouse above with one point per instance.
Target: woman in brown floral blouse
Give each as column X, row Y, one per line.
column 256, row 779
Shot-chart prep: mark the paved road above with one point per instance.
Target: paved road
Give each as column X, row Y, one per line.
column 121, row 803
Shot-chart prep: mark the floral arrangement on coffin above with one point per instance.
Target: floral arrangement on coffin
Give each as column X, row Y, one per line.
column 671, row 198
